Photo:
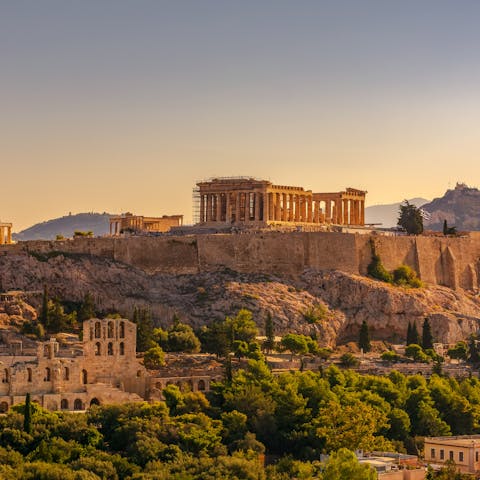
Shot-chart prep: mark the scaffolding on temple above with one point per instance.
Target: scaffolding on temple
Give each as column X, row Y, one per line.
column 196, row 204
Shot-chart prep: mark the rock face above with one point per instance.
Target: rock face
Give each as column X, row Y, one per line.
column 459, row 207
column 330, row 304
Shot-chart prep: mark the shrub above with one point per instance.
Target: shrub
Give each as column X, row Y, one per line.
column 406, row 276
column 349, row 360
column 315, row 313
column 389, row 356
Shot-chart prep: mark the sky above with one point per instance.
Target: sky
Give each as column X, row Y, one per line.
column 115, row 105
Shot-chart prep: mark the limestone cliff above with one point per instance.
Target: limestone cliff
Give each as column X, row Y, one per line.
column 331, row 304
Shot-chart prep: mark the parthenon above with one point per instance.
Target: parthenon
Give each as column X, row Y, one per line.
column 129, row 223
column 260, row 203
column 5, row 233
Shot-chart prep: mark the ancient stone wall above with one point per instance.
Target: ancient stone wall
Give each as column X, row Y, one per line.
column 453, row 262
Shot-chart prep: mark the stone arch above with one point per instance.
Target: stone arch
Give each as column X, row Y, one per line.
column 122, row 330
column 77, row 404
column 110, row 330
column 201, row 385
column 98, row 349
column 29, row 374
column 48, row 375
column 84, row 377
column 66, row 373
column 6, row 376
column 64, row 404
column 110, row 348
column 98, row 330
column 122, row 348
column 4, row 407
column 94, row 401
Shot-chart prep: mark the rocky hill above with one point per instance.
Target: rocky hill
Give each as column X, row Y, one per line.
column 330, row 304
column 98, row 223
column 387, row 215
column 460, row 207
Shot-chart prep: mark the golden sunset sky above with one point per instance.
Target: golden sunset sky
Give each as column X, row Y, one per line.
column 118, row 106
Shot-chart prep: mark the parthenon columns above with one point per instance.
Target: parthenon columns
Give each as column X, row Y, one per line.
column 5, row 233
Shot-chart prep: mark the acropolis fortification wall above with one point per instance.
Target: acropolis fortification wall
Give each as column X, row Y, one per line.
column 453, row 262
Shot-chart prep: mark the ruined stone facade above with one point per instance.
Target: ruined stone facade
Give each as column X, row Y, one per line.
column 140, row 224
column 247, row 201
column 5, row 233
column 103, row 369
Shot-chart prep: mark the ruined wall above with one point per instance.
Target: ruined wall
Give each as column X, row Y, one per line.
column 453, row 262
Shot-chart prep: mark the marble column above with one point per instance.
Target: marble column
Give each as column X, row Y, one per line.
column 209, row 207
column 339, row 211
column 271, row 206
column 296, row 202
column 257, row 206
column 228, row 213
column 284, row 207
column 246, row 209
column 328, row 211
column 362, row 212
column 202, row 208
column 219, row 208
column 266, row 206
column 2, row 236
column 309, row 210
column 345, row 212
column 237, row 207
column 278, row 210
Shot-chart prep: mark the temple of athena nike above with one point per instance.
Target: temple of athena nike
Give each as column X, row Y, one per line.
column 259, row 203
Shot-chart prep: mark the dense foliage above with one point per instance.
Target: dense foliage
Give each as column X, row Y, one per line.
column 410, row 218
column 294, row 416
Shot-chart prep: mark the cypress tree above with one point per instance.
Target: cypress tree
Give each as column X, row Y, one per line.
column 27, row 416
column 473, row 353
column 269, row 333
column 143, row 319
column 427, row 337
column 409, row 334
column 414, row 333
column 87, row 308
column 364, row 338
column 445, row 227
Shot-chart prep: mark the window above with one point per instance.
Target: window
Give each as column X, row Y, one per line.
column 64, row 404
column 110, row 348
column 201, row 385
column 432, row 453
column 460, row 456
column 97, row 330
column 77, row 405
column 451, row 455
column 5, row 378
column 442, row 454
column 47, row 375
column 98, row 349
column 29, row 374
column 84, row 377
column 476, row 456
column 122, row 348
column 66, row 374
column 110, row 330
column 122, row 329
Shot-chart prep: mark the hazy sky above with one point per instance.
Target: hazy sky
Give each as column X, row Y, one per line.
column 113, row 105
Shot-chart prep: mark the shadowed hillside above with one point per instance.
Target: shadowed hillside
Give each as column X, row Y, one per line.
column 96, row 222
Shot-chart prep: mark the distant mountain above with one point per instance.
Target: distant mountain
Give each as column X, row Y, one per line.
column 98, row 223
column 387, row 215
column 460, row 207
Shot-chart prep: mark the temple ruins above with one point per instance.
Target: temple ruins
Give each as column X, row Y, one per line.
column 129, row 223
column 260, row 203
column 5, row 233
column 103, row 368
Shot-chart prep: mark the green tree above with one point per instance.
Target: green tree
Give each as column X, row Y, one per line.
column 27, row 415
column 416, row 352
column 269, row 342
column 349, row 360
column 459, row 351
column 445, row 227
column 412, row 334
column 296, row 344
column 427, row 337
column 375, row 268
column 87, row 308
column 364, row 338
column 143, row 318
column 242, row 326
column 154, row 358
column 181, row 338
column 216, row 338
column 344, row 465
column 473, row 352
column 410, row 218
